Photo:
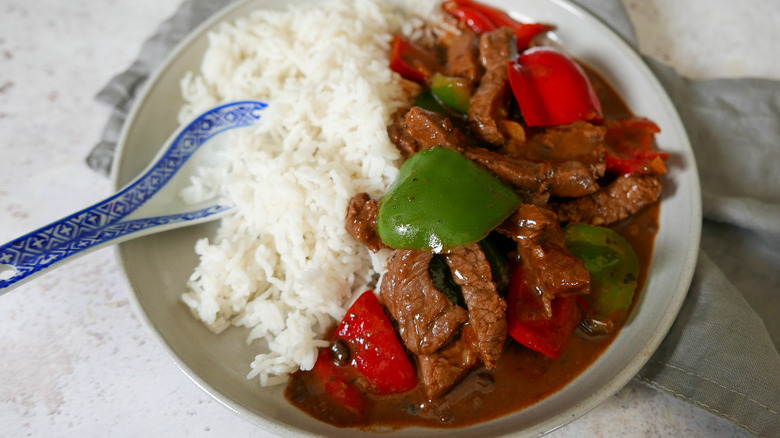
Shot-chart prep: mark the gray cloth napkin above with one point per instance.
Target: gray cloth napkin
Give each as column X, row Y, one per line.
column 722, row 352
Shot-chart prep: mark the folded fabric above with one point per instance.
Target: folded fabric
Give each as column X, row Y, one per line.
column 721, row 354
column 122, row 89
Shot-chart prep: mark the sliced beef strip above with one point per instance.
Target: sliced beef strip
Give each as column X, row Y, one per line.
column 424, row 129
column 472, row 272
column 496, row 48
column 579, row 141
column 566, row 179
column 550, row 268
column 431, row 129
column 442, row 370
column 485, row 111
column 616, row 201
column 420, row 129
column 489, row 104
column 402, row 140
column 427, row 320
column 463, row 57
column 361, row 221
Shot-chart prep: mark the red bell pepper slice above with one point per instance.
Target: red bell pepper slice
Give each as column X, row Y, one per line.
column 552, row 89
column 375, row 353
column 375, row 349
column 527, row 31
column 412, row 61
column 630, row 143
column 471, row 17
column 651, row 163
column 631, row 133
column 336, row 382
column 477, row 12
column 526, row 322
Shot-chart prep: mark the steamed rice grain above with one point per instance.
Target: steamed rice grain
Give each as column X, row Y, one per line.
column 283, row 265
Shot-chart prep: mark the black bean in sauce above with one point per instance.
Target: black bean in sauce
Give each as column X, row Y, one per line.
column 340, row 352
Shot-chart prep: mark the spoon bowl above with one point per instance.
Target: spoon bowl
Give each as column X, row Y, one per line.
column 149, row 204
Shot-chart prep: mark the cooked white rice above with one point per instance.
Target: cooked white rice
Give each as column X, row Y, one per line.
column 283, row 265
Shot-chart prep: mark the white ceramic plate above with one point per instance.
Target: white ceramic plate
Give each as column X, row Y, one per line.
column 157, row 267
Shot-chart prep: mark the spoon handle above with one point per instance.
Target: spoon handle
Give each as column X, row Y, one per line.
column 105, row 223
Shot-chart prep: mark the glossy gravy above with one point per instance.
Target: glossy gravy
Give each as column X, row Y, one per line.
column 521, row 378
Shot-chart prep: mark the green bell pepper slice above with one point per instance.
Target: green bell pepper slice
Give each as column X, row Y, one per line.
column 499, row 263
column 453, row 92
column 427, row 100
column 441, row 274
column 614, row 272
column 441, row 201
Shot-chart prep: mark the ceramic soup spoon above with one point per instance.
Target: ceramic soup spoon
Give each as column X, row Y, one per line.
column 149, row 204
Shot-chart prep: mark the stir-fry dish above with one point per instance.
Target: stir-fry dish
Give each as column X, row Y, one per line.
column 522, row 219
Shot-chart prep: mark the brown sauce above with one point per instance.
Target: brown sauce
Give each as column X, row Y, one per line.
column 521, row 378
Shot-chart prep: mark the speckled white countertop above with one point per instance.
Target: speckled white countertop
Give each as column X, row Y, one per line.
column 75, row 361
